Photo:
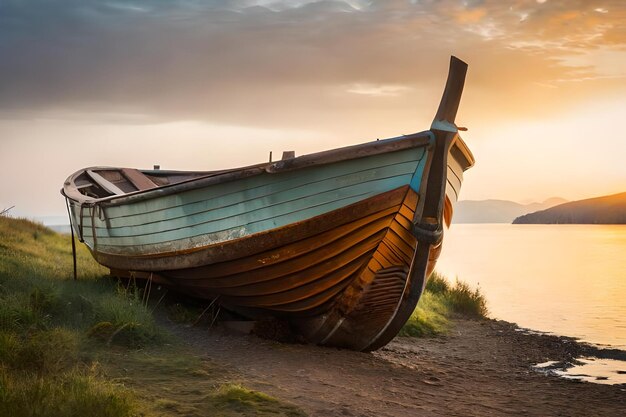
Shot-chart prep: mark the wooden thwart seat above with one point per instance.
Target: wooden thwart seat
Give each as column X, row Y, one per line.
column 107, row 185
column 138, row 179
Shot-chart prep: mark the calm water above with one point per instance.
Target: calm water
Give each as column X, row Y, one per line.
column 564, row 279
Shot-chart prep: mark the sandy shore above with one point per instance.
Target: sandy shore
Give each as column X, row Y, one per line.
column 481, row 368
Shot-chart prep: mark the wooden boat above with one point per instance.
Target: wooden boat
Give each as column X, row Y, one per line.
column 339, row 243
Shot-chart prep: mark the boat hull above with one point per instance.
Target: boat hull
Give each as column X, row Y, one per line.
column 338, row 273
column 337, row 277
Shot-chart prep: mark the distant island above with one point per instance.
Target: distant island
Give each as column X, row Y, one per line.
column 600, row 210
column 497, row 211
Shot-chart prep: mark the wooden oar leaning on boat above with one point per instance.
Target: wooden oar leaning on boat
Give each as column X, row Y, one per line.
column 338, row 243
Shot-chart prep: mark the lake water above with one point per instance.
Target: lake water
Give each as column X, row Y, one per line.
column 564, row 279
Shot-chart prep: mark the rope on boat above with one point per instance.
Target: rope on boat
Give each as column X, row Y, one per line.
column 81, row 236
column 69, row 214
column 92, row 209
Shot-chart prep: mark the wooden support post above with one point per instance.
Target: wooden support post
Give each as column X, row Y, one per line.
column 73, row 240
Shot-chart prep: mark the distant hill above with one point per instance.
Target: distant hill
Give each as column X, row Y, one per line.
column 601, row 210
column 497, row 211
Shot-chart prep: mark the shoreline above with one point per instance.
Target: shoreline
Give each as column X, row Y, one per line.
column 482, row 367
column 601, row 351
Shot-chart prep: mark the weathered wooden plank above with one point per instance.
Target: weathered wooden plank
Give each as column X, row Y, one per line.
column 138, row 179
column 288, row 289
column 454, row 181
column 335, row 239
column 104, row 183
column 325, row 258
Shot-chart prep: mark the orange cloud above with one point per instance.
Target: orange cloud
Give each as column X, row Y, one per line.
column 470, row 15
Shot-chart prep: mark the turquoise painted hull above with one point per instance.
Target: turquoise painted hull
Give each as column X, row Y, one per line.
column 240, row 208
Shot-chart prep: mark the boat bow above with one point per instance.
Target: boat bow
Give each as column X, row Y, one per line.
column 428, row 221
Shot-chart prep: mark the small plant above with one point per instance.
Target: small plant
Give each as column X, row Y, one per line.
column 437, row 284
column 5, row 212
column 44, row 300
column 132, row 321
column 429, row 318
column 467, row 302
column 245, row 402
column 439, row 302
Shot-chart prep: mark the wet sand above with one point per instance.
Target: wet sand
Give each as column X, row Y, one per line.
column 482, row 368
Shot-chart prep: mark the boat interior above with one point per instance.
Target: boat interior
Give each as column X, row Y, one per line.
column 106, row 182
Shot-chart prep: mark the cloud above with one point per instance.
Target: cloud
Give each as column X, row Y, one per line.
column 281, row 62
column 377, row 90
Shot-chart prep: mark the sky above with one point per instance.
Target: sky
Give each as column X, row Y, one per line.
column 202, row 85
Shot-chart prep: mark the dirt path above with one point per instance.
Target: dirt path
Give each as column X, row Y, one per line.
column 481, row 369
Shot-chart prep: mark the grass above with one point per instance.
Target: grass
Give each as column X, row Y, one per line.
column 45, row 318
column 244, row 402
column 441, row 301
column 92, row 346
column 73, row 393
column 175, row 382
column 37, row 292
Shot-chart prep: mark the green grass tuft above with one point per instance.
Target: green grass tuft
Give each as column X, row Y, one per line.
column 133, row 322
column 429, row 318
column 234, row 398
column 441, row 301
column 467, row 302
column 437, row 284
